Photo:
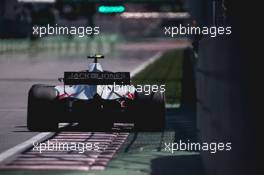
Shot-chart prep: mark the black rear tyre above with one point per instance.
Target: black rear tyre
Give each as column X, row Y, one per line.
column 41, row 108
column 150, row 112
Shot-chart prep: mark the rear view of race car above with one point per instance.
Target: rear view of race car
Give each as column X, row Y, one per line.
column 91, row 99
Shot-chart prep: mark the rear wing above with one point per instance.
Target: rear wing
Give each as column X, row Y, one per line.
column 95, row 57
column 96, row 78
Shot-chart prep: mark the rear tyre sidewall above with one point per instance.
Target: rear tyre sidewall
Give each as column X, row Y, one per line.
column 150, row 112
column 41, row 114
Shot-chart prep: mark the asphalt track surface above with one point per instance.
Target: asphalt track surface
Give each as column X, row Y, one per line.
column 138, row 153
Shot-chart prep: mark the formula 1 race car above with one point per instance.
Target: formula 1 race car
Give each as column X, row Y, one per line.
column 91, row 99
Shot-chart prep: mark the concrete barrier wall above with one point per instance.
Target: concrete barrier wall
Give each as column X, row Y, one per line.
column 223, row 113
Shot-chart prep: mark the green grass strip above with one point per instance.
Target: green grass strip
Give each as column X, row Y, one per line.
column 166, row 70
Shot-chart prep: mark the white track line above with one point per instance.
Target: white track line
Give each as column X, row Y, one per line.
column 42, row 136
column 145, row 64
column 24, row 145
